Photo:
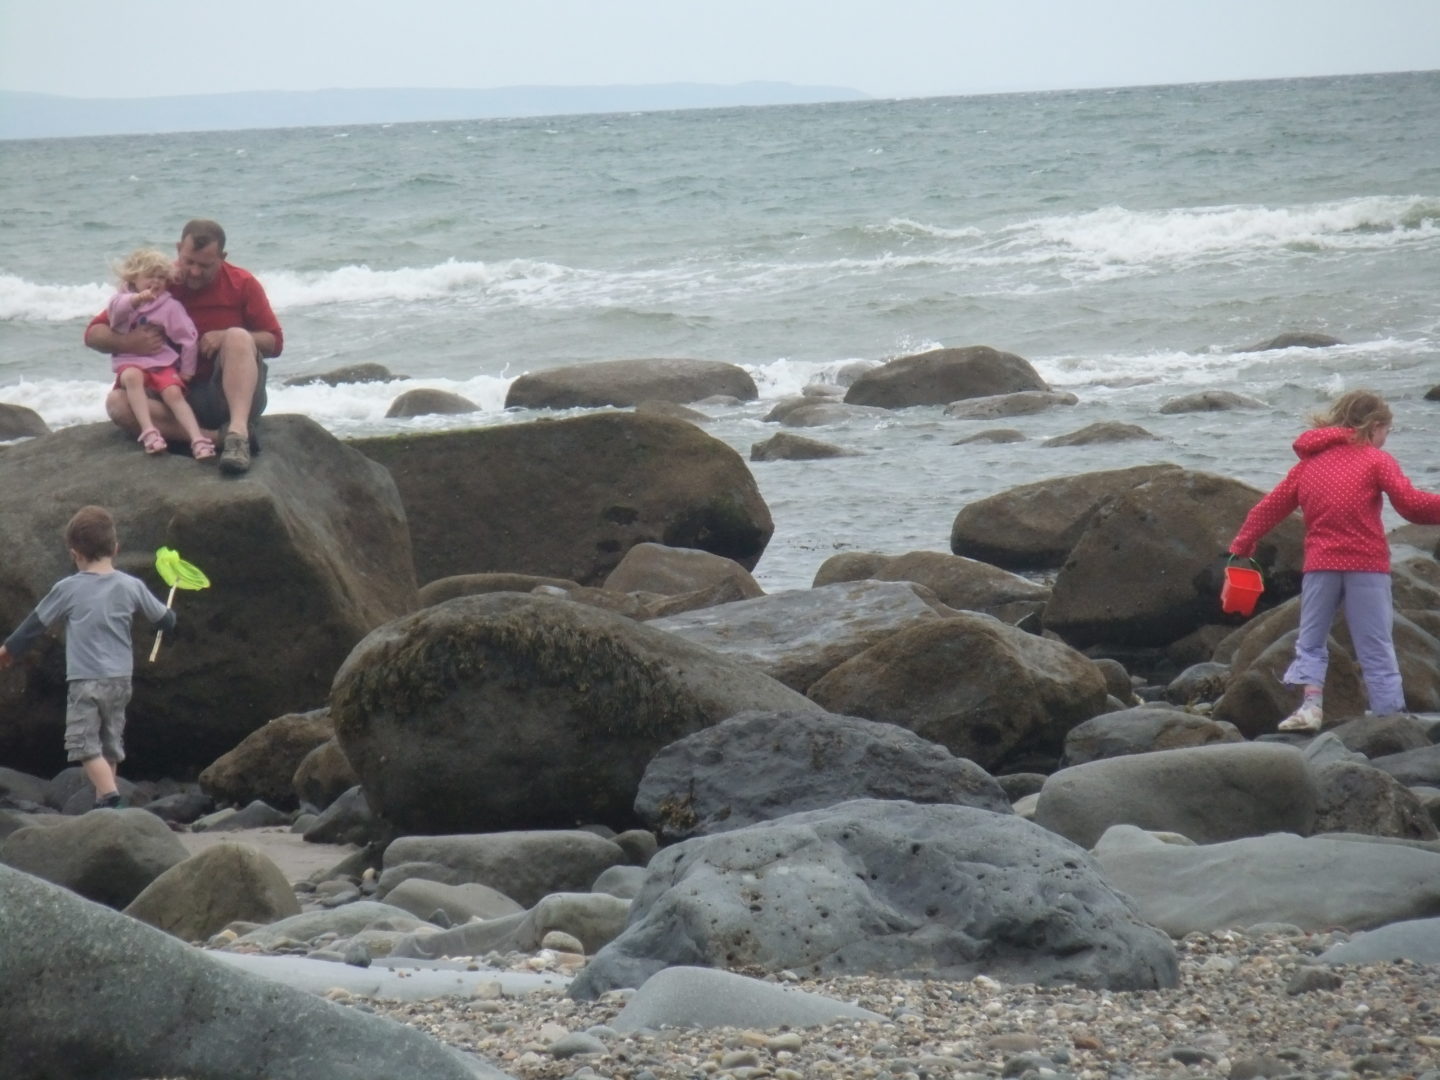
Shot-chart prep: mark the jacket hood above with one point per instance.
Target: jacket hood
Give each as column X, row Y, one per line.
column 1317, row 440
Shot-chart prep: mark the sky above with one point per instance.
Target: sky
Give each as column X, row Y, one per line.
column 886, row 48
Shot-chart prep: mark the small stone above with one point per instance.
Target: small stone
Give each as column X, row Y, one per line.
column 560, row 941
column 1023, row 1063
column 789, row 1040
column 1192, row 1055
column 357, row 954
column 1310, row 979
column 573, row 1044
column 1372, row 1063
column 1014, row 1042
column 740, row 1059
column 1261, row 1067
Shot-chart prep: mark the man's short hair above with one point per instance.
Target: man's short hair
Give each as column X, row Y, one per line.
column 91, row 533
column 202, row 232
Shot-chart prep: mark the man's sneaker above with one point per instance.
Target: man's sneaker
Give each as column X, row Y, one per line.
column 234, row 453
column 113, row 801
column 1306, row 718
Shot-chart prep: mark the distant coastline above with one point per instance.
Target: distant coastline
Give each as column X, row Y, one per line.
column 43, row 116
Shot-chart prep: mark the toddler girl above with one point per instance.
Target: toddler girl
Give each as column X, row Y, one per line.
column 144, row 300
column 1337, row 485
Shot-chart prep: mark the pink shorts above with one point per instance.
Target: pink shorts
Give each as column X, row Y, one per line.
column 157, row 379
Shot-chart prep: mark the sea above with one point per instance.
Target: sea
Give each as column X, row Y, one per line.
column 1132, row 244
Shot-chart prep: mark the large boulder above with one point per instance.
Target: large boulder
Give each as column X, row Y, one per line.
column 1142, row 730
column 760, row 766
column 960, row 583
column 426, row 401
column 263, row 765
column 796, row 636
column 1144, row 572
column 985, row 690
column 108, row 856
column 1417, row 768
column 1023, row 403
column 323, row 775
column 306, row 553
column 1206, row 793
column 672, row 571
column 941, row 376
column 783, row 446
column 1354, row 797
column 1034, row 526
column 1314, row 883
column 568, row 498
column 199, row 897
column 509, row 711
column 624, row 383
column 876, row 887
column 19, row 422
column 89, row 994
column 525, row 866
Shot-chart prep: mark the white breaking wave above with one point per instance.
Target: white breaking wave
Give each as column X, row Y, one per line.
column 26, row 301
column 1095, row 245
column 1117, row 235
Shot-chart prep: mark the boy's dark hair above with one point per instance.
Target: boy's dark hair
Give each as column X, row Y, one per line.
column 202, row 232
column 91, row 533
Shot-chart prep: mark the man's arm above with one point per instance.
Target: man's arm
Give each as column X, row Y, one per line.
column 142, row 341
column 260, row 320
column 266, row 343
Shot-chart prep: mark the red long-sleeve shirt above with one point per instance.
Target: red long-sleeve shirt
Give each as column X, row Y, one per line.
column 234, row 298
column 1337, row 486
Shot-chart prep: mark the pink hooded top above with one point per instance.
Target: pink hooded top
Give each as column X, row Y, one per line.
column 181, row 340
column 1337, row 486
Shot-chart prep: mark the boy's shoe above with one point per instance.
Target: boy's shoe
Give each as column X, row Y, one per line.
column 113, row 801
column 1306, row 718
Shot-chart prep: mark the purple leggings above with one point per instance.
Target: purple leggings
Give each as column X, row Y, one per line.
column 1369, row 615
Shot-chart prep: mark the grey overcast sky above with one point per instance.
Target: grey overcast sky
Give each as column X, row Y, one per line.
column 889, row 48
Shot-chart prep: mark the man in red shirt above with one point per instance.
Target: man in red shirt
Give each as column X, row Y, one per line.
column 238, row 331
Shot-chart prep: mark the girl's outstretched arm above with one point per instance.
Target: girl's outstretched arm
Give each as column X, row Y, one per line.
column 1410, row 502
column 1267, row 513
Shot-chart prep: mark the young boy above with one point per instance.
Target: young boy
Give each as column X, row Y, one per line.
column 97, row 604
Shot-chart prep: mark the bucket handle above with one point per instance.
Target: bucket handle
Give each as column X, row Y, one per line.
column 1231, row 558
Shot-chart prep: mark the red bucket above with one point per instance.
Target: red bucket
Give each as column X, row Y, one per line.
column 1241, row 590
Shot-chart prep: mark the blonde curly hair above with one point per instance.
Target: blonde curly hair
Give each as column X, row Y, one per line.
column 1362, row 410
column 143, row 263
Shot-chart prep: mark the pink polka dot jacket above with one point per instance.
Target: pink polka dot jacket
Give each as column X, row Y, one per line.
column 1337, row 487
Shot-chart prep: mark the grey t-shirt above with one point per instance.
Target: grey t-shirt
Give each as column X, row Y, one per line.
column 97, row 609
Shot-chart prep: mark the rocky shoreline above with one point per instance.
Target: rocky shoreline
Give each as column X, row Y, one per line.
column 1249, row 1004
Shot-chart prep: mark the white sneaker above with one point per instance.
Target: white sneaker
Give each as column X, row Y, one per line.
column 1306, row 718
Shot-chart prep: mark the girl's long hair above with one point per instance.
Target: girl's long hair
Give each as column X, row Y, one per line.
column 1362, row 410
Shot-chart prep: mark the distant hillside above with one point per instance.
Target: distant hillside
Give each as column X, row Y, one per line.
column 39, row 116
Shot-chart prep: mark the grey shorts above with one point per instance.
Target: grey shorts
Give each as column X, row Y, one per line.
column 95, row 719
column 207, row 399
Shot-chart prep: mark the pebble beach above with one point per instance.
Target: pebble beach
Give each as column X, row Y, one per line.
column 1250, row 1004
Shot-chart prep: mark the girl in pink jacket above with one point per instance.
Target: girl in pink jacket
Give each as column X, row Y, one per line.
column 1337, row 485
column 144, row 300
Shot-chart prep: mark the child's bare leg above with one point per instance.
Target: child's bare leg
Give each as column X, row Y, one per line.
column 132, row 381
column 101, row 774
column 174, row 397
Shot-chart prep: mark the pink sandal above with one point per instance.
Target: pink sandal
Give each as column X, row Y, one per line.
column 154, row 442
column 202, row 449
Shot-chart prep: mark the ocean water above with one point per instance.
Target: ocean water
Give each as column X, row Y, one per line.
column 1130, row 243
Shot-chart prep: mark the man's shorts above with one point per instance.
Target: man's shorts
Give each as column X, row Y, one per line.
column 208, row 398
column 95, row 718
column 156, row 378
